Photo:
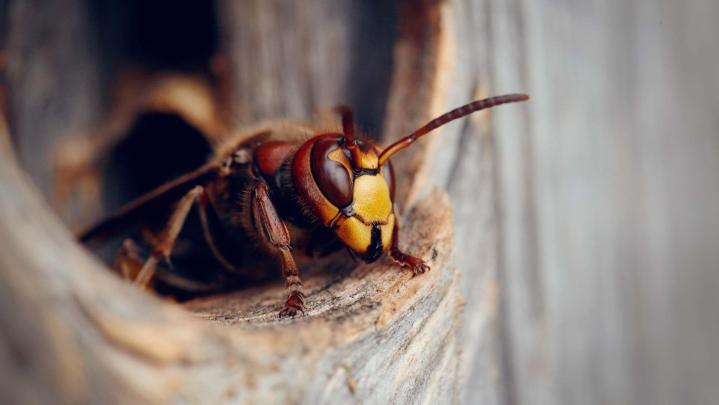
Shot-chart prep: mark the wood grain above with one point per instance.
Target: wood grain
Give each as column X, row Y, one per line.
column 372, row 332
column 105, row 341
column 608, row 200
column 585, row 231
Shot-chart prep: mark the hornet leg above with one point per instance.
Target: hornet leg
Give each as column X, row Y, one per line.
column 273, row 233
column 207, row 233
column 417, row 265
column 166, row 241
column 129, row 261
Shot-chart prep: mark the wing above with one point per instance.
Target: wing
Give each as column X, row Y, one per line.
column 152, row 202
column 133, row 213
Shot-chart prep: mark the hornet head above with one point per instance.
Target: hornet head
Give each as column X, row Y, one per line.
column 349, row 184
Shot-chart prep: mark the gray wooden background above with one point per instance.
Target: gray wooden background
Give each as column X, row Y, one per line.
column 588, row 223
column 609, row 200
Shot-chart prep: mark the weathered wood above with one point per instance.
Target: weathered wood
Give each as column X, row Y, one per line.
column 585, row 226
column 608, row 195
column 54, row 79
column 292, row 60
column 372, row 333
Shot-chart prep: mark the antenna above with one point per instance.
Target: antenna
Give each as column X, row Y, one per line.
column 348, row 128
column 460, row 112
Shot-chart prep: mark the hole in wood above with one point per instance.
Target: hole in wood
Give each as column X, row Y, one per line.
column 143, row 158
column 158, row 147
column 93, row 337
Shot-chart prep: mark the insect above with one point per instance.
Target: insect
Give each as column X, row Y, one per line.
column 281, row 192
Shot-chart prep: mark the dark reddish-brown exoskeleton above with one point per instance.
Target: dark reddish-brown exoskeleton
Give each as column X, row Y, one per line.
column 285, row 190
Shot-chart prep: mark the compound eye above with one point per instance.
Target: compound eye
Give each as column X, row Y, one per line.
column 388, row 174
column 331, row 171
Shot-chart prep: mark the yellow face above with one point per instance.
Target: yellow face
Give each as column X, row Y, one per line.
column 353, row 194
column 368, row 231
column 355, row 197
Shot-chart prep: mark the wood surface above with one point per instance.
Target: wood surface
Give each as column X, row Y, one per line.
column 609, row 195
column 372, row 333
column 579, row 264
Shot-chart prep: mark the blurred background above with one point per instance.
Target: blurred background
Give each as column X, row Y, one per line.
column 587, row 221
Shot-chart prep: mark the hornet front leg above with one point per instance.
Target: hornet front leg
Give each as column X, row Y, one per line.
column 275, row 237
column 417, row 265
